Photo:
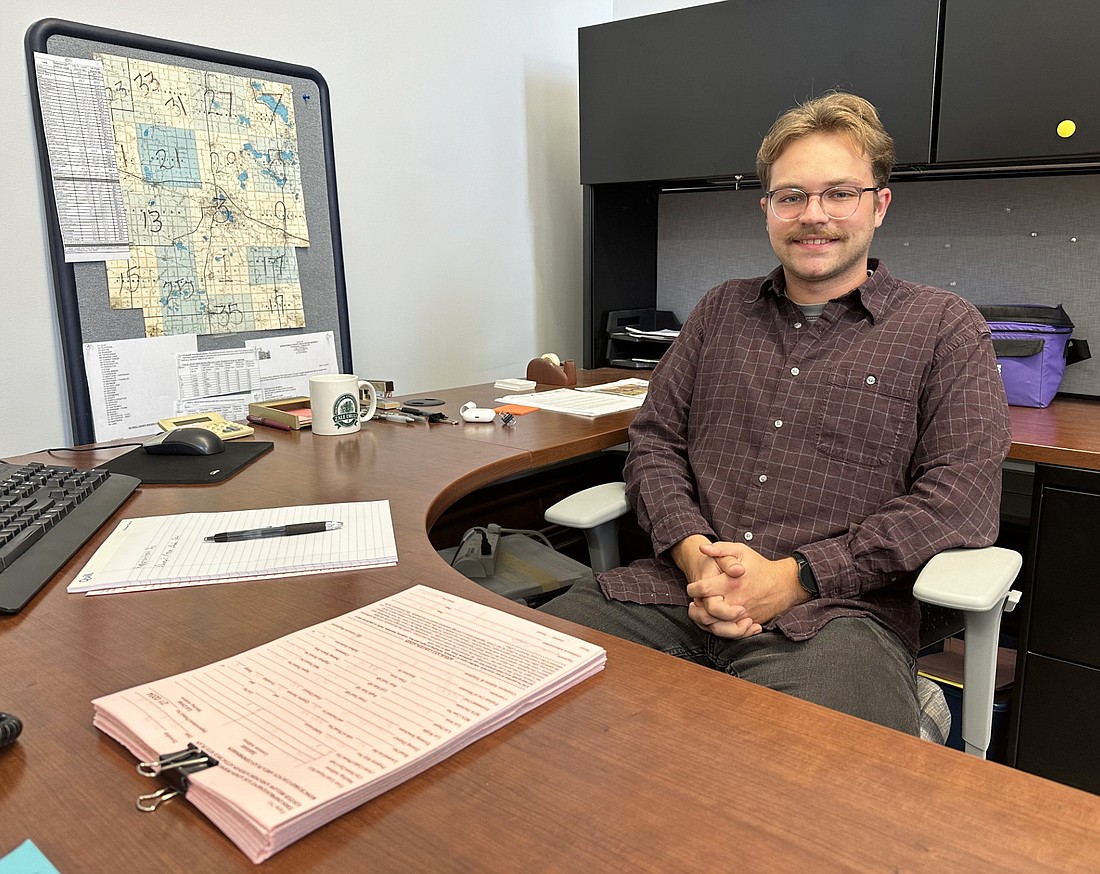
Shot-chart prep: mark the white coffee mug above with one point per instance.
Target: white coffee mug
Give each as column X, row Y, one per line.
column 340, row 402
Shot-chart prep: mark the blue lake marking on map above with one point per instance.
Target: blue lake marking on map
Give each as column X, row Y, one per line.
column 243, row 179
column 268, row 160
column 244, row 121
column 274, row 105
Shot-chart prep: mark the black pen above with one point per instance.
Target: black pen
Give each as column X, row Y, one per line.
column 274, row 531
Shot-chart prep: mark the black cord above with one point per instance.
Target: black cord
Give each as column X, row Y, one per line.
column 88, row 448
column 74, row 449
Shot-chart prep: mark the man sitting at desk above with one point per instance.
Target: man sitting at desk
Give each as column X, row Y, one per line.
column 811, row 439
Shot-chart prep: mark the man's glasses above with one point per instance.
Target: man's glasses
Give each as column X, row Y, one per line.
column 838, row 202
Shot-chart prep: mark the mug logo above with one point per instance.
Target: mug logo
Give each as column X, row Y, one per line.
column 345, row 411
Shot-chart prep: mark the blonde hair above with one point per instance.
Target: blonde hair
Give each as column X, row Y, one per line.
column 836, row 112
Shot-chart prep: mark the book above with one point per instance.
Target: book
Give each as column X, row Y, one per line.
column 275, row 742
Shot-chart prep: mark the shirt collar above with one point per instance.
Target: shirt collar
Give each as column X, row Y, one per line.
column 870, row 295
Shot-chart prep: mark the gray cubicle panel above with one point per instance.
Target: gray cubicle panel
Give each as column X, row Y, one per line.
column 993, row 241
column 81, row 288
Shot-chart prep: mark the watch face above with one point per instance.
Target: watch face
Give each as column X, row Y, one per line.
column 806, row 575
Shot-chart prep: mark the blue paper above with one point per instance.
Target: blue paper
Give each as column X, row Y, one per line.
column 26, row 859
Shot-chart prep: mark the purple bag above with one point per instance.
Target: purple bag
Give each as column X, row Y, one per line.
column 1033, row 346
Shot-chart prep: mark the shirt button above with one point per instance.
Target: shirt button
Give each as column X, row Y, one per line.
column 795, row 371
column 748, row 535
column 763, row 477
column 778, row 423
column 871, row 380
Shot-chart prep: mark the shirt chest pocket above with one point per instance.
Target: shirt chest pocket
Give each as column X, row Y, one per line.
column 864, row 417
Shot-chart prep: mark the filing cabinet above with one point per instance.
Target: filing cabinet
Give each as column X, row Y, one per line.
column 1056, row 719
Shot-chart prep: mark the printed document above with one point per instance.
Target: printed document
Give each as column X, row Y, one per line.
column 628, row 388
column 312, row 725
column 580, row 403
column 126, row 383
column 81, row 146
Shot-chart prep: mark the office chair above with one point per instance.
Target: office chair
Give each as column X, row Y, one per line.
column 975, row 583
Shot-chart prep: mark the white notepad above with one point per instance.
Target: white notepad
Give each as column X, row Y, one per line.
column 159, row 552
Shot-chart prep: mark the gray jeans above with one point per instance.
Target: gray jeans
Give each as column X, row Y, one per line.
column 853, row 664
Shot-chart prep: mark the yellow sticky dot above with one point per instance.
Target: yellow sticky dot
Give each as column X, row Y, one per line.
column 1067, row 128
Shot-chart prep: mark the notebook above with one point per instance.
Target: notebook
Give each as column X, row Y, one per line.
column 156, row 552
column 275, row 742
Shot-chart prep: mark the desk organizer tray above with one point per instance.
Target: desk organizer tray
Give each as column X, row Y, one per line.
column 295, row 413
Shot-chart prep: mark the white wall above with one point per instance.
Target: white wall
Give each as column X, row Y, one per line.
column 634, row 8
column 455, row 132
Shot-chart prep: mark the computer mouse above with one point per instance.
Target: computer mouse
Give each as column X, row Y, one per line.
column 185, row 441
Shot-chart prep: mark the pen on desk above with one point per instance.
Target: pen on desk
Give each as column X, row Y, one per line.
column 430, row 418
column 270, row 423
column 396, row 417
column 274, row 531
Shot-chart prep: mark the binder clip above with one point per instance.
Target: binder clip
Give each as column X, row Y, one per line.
column 176, row 768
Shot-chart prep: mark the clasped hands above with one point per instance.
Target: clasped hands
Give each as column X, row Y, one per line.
column 734, row 590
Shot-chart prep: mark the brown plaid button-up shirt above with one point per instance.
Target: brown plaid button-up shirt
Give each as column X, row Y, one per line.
column 868, row 441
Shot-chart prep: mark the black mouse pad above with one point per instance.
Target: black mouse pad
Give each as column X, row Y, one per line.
column 187, row 469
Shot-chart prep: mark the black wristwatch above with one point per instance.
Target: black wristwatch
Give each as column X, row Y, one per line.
column 806, row 575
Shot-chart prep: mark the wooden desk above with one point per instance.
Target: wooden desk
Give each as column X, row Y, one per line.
column 1066, row 433
column 656, row 764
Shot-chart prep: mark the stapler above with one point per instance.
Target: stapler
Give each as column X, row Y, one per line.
column 551, row 370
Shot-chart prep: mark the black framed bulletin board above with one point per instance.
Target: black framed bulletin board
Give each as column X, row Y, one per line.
column 227, row 190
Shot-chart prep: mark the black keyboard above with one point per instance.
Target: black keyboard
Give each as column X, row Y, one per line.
column 46, row 515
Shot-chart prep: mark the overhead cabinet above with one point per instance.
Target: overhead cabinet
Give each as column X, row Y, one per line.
column 1019, row 81
column 688, row 94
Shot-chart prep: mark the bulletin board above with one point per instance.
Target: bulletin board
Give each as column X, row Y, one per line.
column 188, row 273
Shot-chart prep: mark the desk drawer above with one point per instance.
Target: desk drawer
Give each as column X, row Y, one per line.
column 1059, row 722
column 1064, row 609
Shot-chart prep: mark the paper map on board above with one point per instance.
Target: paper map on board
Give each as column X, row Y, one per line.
column 213, row 196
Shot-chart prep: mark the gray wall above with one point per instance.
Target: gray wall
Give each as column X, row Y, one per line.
column 1033, row 240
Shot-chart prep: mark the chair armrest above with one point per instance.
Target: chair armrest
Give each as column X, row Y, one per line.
column 968, row 579
column 591, row 507
column 975, row 581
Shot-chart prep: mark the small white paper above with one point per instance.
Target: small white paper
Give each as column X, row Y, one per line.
column 287, row 362
column 131, row 383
